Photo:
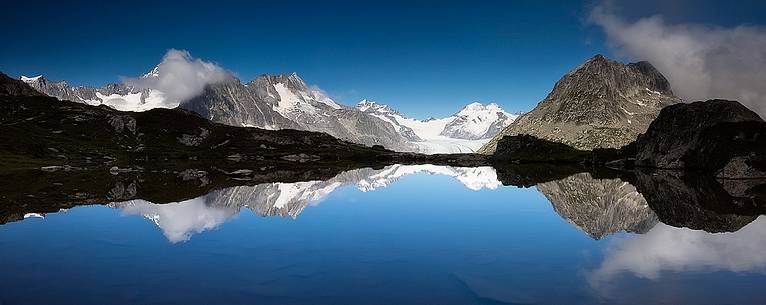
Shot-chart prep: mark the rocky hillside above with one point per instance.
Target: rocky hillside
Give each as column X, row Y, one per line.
column 600, row 104
column 10, row 87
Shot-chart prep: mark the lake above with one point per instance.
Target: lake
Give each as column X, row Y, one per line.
column 403, row 234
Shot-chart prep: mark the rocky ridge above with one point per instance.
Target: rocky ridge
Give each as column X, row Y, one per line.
column 600, row 104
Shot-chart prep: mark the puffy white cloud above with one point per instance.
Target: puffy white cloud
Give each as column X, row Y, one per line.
column 701, row 62
column 180, row 220
column 180, row 76
column 669, row 249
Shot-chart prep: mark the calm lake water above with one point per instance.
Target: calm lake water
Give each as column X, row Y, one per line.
column 401, row 235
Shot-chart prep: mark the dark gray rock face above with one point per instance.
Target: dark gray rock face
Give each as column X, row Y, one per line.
column 599, row 207
column 12, row 87
column 600, row 104
column 526, row 148
column 717, row 136
column 232, row 103
column 701, row 202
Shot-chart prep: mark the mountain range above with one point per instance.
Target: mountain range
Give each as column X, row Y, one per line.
column 287, row 102
column 463, row 132
column 600, row 104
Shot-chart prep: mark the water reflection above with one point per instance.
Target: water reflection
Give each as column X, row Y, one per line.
column 669, row 249
column 597, row 237
column 690, row 266
column 180, row 220
column 599, row 207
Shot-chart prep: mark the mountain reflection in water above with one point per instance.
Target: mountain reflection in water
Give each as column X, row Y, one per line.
column 179, row 220
column 606, row 237
column 598, row 206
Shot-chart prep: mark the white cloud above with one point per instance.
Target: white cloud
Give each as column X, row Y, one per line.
column 669, row 249
column 179, row 220
column 180, row 76
column 701, row 62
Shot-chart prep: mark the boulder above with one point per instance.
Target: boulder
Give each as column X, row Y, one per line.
column 717, row 136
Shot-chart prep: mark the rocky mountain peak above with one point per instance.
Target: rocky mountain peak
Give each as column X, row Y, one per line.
column 477, row 107
column 155, row 72
column 13, row 87
column 600, row 104
column 369, row 106
column 476, row 121
column 291, row 81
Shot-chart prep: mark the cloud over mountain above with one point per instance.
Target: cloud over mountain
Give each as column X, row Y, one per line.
column 701, row 62
column 180, row 76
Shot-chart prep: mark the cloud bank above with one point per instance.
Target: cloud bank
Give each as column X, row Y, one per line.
column 701, row 62
column 666, row 248
column 180, row 76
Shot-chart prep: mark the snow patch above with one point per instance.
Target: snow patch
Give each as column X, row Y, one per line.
column 30, row 79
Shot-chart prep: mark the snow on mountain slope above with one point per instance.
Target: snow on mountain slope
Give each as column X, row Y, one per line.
column 286, row 101
column 30, row 79
column 117, row 96
column 476, row 121
column 473, row 178
column 464, row 132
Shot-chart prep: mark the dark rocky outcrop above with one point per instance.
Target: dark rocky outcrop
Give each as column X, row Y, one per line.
column 600, row 104
column 526, row 148
column 10, row 86
column 701, row 202
column 718, row 136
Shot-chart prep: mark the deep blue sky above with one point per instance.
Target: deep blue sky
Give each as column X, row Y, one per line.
column 423, row 57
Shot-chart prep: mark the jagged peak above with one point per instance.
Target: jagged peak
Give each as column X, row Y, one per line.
column 155, row 72
column 292, row 80
column 366, row 105
column 599, row 67
column 599, row 57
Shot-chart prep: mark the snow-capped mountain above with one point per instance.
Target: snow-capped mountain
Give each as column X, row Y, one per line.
column 464, row 131
column 118, row 96
column 269, row 101
column 476, row 121
column 286, row 101
column 179, row 221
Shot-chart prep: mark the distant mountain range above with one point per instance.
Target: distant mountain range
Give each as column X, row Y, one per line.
column 464, row 131
column 287, row 102
column 599, row 104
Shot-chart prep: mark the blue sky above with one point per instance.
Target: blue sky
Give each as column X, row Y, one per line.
column 426, row 58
